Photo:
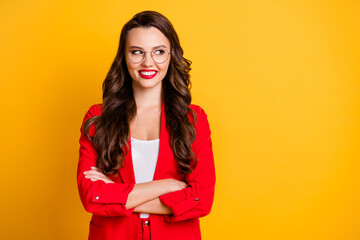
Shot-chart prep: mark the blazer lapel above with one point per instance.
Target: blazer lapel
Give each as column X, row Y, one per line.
column 165, row 153
column 127, row 171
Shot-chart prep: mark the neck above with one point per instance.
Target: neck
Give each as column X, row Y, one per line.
column 148, row 97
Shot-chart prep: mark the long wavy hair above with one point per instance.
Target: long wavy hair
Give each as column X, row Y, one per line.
column 119, row 106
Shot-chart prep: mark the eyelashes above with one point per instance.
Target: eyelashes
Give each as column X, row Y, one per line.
column 155, row 52
column 137, row 52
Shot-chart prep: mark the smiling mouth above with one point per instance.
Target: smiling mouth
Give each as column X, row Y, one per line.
column 147, row 74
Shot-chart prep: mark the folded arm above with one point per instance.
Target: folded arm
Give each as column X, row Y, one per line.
column 171, row 197
column 108, row 198
column 197, row 198
column 154, row 206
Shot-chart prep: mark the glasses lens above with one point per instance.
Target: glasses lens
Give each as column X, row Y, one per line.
column 160, row 55
column 136, row 56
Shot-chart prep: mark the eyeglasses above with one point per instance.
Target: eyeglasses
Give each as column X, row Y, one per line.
column 159, row 55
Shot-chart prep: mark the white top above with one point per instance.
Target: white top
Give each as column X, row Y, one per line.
column 144, row 156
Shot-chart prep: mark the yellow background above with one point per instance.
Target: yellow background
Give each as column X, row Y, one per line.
column 279, row 81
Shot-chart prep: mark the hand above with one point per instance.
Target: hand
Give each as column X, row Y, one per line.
column 176, row 184
column 96, row 175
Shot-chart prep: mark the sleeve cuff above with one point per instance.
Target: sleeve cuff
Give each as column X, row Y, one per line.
column 113, row 209
column 113, row 193
column 178, row 203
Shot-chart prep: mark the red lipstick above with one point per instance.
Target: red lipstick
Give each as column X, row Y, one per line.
column 147, row 73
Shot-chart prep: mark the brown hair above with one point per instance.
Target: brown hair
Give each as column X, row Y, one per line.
column 119, row 107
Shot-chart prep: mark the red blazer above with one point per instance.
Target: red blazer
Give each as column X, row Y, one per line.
column 112, row 220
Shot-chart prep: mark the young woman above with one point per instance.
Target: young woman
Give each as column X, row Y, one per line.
column 146, row 166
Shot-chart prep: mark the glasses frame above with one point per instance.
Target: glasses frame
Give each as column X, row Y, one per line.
column 151, row 54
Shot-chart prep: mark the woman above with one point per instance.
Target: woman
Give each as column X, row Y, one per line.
column 146, row 166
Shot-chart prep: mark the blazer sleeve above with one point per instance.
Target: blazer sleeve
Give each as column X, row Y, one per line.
column 99, row 198
column 195, row 200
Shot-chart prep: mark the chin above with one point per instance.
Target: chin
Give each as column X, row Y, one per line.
column 146, row 83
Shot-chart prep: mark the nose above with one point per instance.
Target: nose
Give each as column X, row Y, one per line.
column 148, row 61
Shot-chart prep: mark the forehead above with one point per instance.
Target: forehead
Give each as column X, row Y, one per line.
column 146, row 38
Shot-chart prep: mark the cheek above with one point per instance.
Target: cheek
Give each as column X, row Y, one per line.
column 165, row 68
column 132, row 70
column 130, row 67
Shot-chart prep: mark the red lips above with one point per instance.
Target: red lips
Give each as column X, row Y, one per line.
column 145, row 73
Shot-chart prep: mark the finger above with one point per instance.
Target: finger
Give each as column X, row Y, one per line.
column 99, row 174
column 92, row 169
column 90, row 175
column 94, row 179
column 100, row 179
column 105, row 179
column 88, row 171
column 94, row 172
column 93, row 175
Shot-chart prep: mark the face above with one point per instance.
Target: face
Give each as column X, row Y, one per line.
column 147, row 73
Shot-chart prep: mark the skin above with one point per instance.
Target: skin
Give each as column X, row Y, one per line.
column 146, row 124
column 147, row 39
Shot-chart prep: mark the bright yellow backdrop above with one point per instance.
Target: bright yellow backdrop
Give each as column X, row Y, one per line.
column 279, row 81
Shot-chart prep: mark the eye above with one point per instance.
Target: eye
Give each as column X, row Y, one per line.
column 136, row 52
column 159, row 52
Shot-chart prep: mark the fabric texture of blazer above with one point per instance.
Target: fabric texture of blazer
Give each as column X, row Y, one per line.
column 106, row 201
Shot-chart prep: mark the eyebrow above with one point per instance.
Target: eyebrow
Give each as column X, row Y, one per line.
column 152, row 48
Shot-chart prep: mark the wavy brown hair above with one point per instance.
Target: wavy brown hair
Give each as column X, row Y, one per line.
column 119, row 107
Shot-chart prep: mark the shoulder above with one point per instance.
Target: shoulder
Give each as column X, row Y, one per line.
column 95, row 110
column 195, row 107
column 201, row 115
column 202, row 125
column 198, row 110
